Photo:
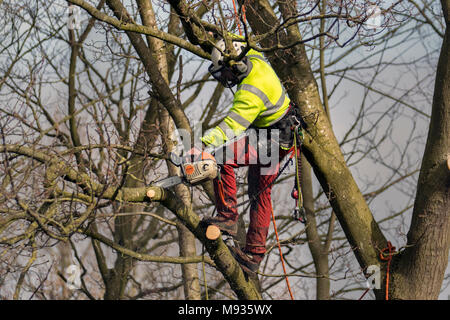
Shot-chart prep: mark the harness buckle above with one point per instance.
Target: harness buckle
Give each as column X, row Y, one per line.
column 295, row 122
column 299, row 214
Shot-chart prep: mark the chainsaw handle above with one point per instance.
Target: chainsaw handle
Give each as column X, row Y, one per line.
column 175, row 159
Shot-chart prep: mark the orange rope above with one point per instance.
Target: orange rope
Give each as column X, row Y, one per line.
column 237, row 16
column 385, row 257
column 281, row 256
column 390, row 249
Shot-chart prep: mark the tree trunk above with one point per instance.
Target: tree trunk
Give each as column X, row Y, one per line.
column 319, row 251
column 419, row 270
column 186, row 240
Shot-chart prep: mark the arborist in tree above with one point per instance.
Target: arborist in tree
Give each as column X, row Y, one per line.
column 260, row 102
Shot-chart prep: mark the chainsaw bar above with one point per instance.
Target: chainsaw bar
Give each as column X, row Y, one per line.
column 169, row 182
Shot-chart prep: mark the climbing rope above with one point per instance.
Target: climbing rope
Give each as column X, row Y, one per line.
column 390, row 249
column 237, row 18
column 281, row 256
column 236, row 15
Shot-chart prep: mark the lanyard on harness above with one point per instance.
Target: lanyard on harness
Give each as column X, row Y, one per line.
column 299, row 211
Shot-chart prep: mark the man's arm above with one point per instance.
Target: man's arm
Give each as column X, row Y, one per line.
column 241, row 115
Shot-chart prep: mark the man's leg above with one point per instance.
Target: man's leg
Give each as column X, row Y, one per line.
column 260, row 180
column 241, row 154
column 260, row 189
column 225, row 193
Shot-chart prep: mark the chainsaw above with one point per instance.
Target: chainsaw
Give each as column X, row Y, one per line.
column 192, row 172
column 198, row 171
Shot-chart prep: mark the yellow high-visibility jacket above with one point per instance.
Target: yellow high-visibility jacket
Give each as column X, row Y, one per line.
column 260, row 100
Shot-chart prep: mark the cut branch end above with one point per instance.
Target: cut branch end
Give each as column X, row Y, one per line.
column 212, row 232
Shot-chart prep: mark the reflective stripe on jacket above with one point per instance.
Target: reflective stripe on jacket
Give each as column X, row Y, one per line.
column 260, row 100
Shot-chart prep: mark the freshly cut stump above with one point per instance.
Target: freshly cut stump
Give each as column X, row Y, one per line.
column 151, row 193
column 212, row 232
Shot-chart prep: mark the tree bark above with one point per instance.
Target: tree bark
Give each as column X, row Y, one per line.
column 418, row 272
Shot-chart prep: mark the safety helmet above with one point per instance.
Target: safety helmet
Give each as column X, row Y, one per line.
column 228, row 76
column 217, row 52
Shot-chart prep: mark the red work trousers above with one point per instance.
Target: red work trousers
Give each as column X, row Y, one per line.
column 260, row 179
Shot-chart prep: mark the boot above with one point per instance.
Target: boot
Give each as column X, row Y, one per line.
column 249, row 261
